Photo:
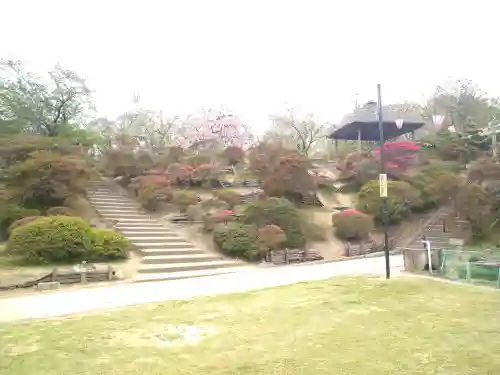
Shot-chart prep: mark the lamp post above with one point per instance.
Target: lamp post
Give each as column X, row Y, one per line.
column 383, row 182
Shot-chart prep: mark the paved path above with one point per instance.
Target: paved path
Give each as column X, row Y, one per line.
column 45, row 305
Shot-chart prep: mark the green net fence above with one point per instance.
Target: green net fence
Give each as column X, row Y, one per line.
column 473, row 266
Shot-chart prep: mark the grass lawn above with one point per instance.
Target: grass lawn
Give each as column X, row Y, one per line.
column 339, row 326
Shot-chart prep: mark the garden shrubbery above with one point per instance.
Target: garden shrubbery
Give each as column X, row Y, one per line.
column 21, row 222
column 152, row 196
column 238, row 240
column 64, row 239
column 108, row 244
column 210, row 220
column 229, row 196
column 184, row 199
column 12, row 212
column 280, row 212
column 402, row 198
column 352, row 225
column 60, row 210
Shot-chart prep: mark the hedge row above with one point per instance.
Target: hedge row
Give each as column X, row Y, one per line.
column 65, row 238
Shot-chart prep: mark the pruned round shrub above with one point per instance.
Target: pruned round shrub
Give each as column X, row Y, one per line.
column 184, row 199
column 229, row 196
column 214, row 204
column 237, row 240
column 60, row 210
column 51, row 239
column 280, row 212
column 152, row 196
column 402, row 198
column 21, row 222
column 106, row 244
column 194, row 213
column 271, row 236
column 352, row 225
column 210, row 220
column 12, row 213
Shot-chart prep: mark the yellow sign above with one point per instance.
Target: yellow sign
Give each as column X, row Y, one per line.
column 383, row 185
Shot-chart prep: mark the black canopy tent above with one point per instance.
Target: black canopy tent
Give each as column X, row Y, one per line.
column 362, row 124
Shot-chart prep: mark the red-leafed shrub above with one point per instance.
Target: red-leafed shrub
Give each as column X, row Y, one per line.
column 203, row 172
column 211, row 220
column 180, row 173
column 184, row 199
column 234, row 155
column 352, row 225
column 231, row 197
column 399, row 154
column 271, row 236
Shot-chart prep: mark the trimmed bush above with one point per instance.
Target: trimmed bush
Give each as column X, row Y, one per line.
column 51, row 239
column 229, row 196
column 63, row 211
column 184, row 199
column 152, row 196
column 237, row 240
column 210, row 220
column 280, row 212
column 402, row 198
column 352, row 225
column 106, row 244
column 21, row 222
column 13, row 213
column 271, row 237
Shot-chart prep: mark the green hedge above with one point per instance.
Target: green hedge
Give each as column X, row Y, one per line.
column 280, row 212
column 106, row 244
column 51, row 239
column 65, row 239
column 237, row 240
column 402, row 198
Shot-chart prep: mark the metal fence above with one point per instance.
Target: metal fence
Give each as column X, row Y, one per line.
column 471, row 265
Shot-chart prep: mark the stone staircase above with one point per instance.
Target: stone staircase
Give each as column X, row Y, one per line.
column 439, row 229
column 165, row 254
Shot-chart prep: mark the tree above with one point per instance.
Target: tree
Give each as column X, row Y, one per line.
column 446, row 186
column 29, row 104
column 305, row 133
column 463, row 104
column 47, row 178
column 219, row 125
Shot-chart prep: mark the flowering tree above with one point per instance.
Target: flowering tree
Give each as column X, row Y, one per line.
column 217, row 125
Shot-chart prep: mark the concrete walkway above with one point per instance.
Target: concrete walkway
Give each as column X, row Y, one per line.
column 46, row 305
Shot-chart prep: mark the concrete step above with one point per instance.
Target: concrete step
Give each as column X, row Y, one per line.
column 176, row 251
column 118, row 200
column 178, row 267
column 119, row 209
column 148, row 232
column 145, row 221
column 176, row 259
column 139, row 240
column 177, row 244
column 145, row 277
column 139, row 226
column 118, row 215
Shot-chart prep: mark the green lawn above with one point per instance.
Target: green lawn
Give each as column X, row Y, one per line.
column 340, row 326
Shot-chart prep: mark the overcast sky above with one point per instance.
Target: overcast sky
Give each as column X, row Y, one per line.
column 257, row 57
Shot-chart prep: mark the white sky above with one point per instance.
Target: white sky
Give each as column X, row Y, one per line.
column 256, row 57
